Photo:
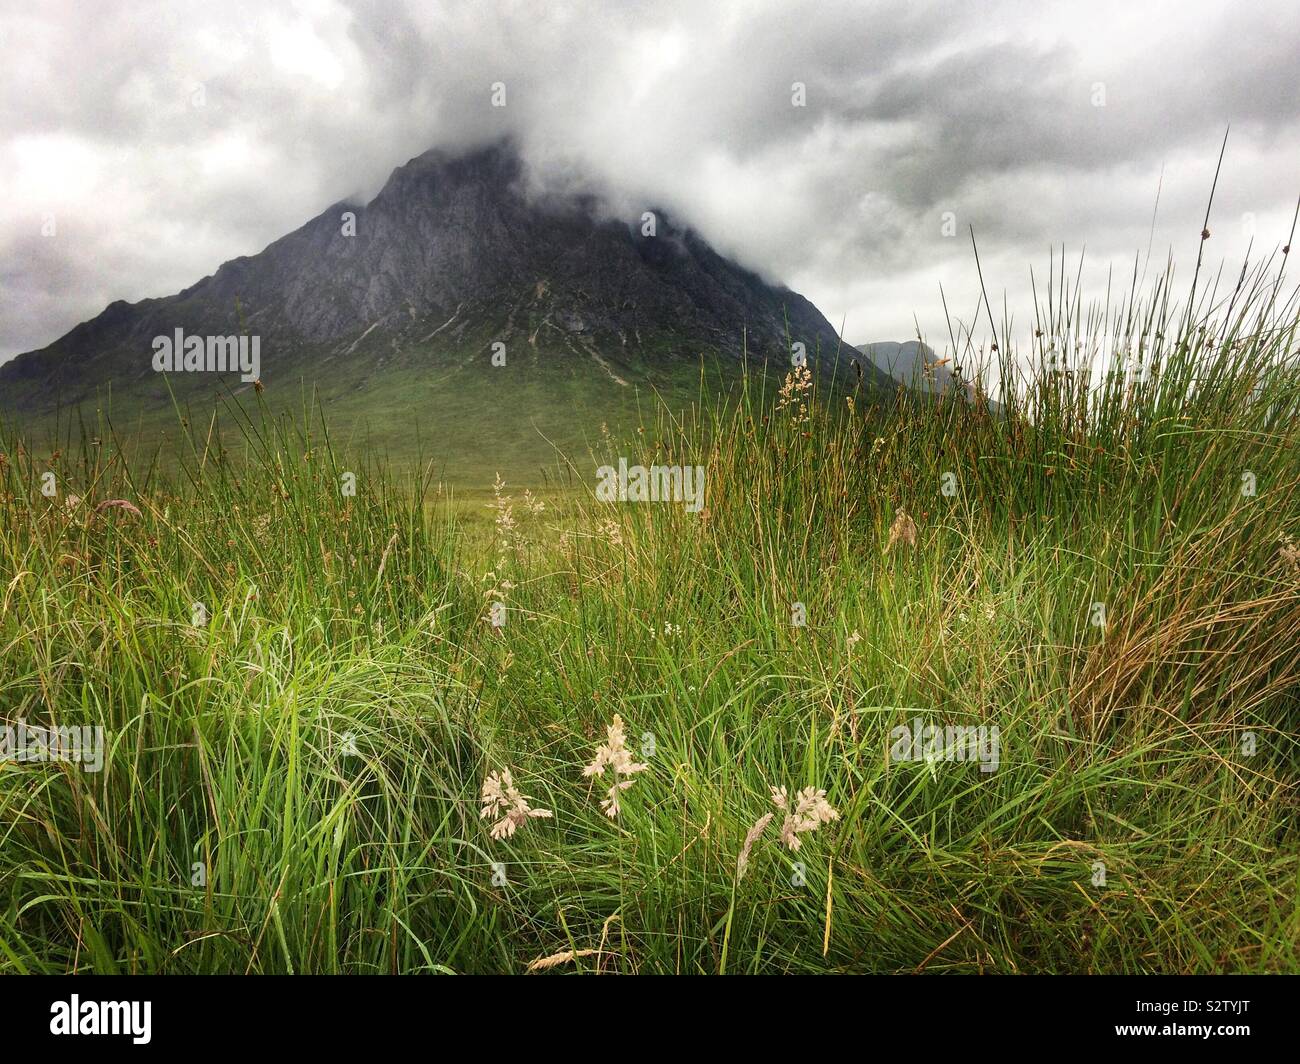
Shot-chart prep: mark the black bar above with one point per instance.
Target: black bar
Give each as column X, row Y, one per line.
column 336, row 1014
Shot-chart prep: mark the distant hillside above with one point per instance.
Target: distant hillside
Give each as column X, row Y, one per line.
column 912, row 363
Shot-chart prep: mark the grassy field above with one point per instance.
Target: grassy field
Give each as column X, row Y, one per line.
column 302, row 694
column 445, row 406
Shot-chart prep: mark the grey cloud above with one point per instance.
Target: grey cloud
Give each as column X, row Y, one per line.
column 913, row 110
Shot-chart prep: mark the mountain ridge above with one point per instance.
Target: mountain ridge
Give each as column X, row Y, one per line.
column 450, row 259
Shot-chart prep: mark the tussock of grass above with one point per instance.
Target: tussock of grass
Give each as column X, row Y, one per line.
column 293, row 782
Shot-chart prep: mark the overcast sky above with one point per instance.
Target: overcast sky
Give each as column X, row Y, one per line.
column 161, row 139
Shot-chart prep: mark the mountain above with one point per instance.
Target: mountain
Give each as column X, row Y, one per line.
column 401, row 299
column 911, row 363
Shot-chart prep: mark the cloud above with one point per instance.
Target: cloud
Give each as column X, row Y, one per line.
column 147, row 143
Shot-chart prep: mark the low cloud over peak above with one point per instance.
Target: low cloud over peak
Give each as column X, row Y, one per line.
column 823, row 144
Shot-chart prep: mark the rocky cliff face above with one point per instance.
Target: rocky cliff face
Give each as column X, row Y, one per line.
column 451, row 256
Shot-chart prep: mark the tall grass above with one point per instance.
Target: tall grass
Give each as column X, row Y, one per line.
column 292, row 773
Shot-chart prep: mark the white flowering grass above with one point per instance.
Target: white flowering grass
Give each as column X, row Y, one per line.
column 614, row 756
column 505, row 806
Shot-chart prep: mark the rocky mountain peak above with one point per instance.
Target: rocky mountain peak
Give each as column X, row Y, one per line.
column 449, row 258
